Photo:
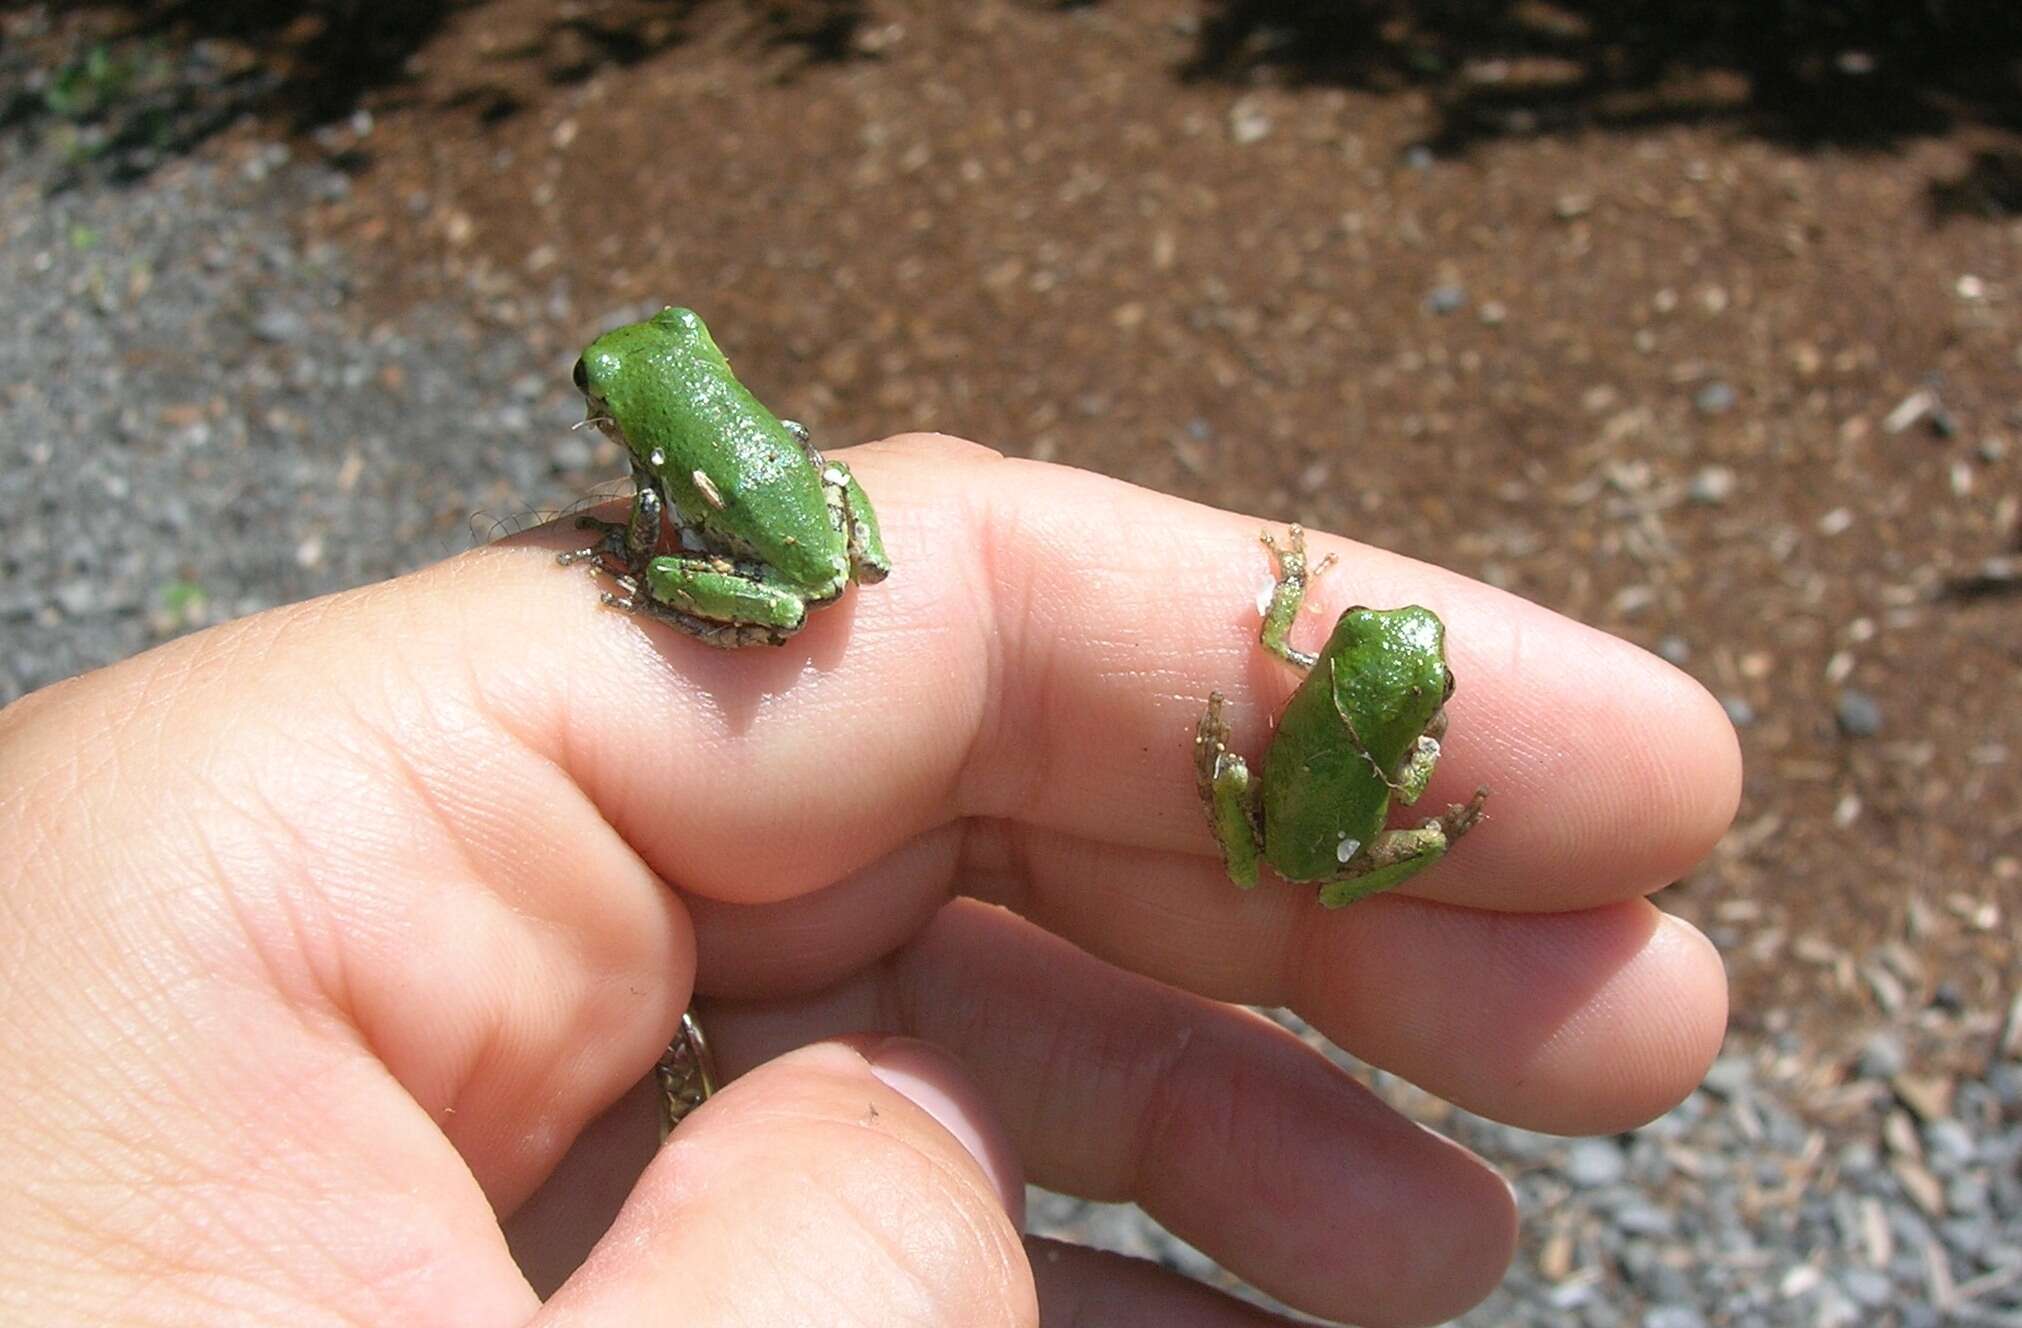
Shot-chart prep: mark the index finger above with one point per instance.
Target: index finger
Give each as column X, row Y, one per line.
column 1040, row 655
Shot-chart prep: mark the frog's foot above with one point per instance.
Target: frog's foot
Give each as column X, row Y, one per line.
column 1227, row 793
column 609, row 548
column 1290, row 592
column 851, row 514
column 1395, row 856
column 626, row 544
column 1464, row 817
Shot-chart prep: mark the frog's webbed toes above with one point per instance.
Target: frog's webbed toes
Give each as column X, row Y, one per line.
column 1228, row 794
column 1463, row 817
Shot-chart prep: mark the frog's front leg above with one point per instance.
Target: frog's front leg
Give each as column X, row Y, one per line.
column 629, row 542
column 718, row 602
column 1395, row 856
column 1228, row 794
column 1410, row 782
column 1288, row 595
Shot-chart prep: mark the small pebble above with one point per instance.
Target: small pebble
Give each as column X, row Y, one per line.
column 1739, row 713
column 1882, row 1057
column 1948, row 1141
column 1716, row 398
column 1967, row 1195
column 1713, row 484
column 1419, row 157
column 1446, row 299
column 1674, row 649
column 1673, row 1316
column 1867, row 1287
column 1728, row 1076
column 280, row 325
column 1645, row 1219
column 1591, row 1163
column 1859, row 715
column 1247, row 123
column 77, row 598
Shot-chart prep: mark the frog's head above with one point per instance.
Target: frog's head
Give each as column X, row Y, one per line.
column 622, row 372
column 1393, row 662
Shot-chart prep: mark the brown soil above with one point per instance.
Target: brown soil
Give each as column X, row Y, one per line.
column 1627, row 348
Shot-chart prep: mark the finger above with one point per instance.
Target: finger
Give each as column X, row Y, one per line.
column 1577, row 1022
column 1078, row 1285
column 1589, row 1021
column 818, row 1190
column 1034, row 608
column 1241, row 1139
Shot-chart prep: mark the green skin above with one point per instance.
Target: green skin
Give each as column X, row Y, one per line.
column 767, row 528
column 1362, row 728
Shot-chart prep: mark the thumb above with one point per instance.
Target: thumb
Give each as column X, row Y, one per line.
column 856, row 1181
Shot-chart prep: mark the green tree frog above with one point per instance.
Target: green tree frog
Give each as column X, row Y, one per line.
column 1362, row 727
column 766, row 528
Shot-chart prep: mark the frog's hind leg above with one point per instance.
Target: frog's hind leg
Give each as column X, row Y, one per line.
column 850, row 512
column 1228, row 794
column 713, row 601
column 1288, row 595
column 1395, row 856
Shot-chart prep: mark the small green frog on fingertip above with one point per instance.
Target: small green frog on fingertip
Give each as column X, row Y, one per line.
column 767, row 529
column 1364, row 727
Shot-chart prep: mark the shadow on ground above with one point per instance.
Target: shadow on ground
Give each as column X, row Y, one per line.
column 145, row 80
column 1811, row 73
column 1850, row 73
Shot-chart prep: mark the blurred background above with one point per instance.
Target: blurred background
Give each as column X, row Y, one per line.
column 1700, row 322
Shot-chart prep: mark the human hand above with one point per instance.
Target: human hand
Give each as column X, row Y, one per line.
column 330, row 930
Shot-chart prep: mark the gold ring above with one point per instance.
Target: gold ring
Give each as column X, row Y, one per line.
column 687, row 1074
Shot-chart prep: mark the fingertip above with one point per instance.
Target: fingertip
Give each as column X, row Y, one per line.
column 1644, row 1039
column 829, row 1184
column 936, row 1083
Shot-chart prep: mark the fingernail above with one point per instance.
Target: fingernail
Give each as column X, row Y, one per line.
column 935, row 1082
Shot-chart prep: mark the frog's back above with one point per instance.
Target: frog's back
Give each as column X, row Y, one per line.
column 761, row 493
column 1325, row 795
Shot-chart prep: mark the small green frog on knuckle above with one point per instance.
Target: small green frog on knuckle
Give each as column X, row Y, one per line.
column 766, row 529
column 1363, row 727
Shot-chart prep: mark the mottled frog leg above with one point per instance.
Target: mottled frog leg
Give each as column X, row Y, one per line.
column 629, row 542
column 1288, row 595
column 718, row 602
column 1228, row 794
column 1416, row 772
column 1395, row 856
column 853, row 514
column 849, row 511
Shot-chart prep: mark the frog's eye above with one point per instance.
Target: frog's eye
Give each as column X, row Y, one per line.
column 582, row 376
column 1449, row 688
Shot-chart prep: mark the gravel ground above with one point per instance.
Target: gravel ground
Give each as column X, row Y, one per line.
column 202, row 420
